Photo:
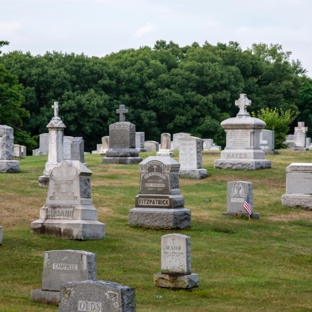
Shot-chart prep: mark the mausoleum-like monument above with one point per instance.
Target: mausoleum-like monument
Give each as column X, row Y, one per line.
column 242, row 151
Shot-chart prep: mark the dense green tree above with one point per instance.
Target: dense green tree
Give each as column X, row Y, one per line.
column 278, row 120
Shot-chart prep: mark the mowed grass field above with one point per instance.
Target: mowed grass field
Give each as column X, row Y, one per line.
column 243, row 265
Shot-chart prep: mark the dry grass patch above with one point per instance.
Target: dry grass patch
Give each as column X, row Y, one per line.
column 293, row 216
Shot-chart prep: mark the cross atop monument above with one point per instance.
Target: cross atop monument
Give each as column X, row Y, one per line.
column 242, row 103
column 122, row 111
column 56, row 109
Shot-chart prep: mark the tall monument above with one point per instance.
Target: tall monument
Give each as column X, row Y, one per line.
column 242, row 151
column 56, row 132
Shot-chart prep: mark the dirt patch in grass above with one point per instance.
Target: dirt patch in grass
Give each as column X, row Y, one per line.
column 298, row 215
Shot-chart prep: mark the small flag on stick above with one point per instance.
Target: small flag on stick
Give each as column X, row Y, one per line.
column 246, row 205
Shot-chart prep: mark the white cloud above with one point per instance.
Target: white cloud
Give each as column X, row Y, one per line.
column 144, row 30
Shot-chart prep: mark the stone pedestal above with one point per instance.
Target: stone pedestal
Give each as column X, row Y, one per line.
column 159, row 203
column 176, row 281
column 242, row 151
column 7, row 162
column 298, row 186
column 190, row 158
column 69, row 212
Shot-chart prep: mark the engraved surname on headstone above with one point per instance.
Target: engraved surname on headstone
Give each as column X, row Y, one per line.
column 238, row 139
column 65, row 266
column 153, row 202
column 60, row 213
column 154, row 180
column 91, row 306
column 175, row 254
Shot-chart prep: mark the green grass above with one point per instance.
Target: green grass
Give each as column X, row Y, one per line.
column 243, row 265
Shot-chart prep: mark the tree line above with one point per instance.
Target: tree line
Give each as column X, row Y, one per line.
column 166, row 88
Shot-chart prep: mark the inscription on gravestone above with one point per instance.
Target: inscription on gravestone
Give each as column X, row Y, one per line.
column 155, row 179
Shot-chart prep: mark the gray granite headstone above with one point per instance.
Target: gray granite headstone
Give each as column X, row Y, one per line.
column 104, row 145
column 67, row 141
column 267, row 141
column 239, row 192
column 97, row 296
column 7, row 162
column 298, row 186
column 77, row 149
column 122, row 141
column 300, row 140
column 165, row 145
column 190, row 158
column 139, row 141
column 61, row 266
column 207, row 144
column 176, row 271
column 159, row 203
column 151, row 146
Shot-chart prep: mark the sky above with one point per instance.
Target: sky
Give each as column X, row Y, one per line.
column 101, row 27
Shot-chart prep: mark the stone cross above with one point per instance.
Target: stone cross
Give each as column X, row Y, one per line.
column 242, row 103
column 56, row 109
column 122, row 111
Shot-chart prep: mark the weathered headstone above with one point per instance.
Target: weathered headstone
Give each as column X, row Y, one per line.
column 242, row 151
column 77, row 149
column 308, row 142
column 122, row 141
column 207, row 144
column 61, row 266
column 267, row 141
column 23, row 151
column 97, row 296
column 239, row 193
column 139, row 141
column 67, row 141
column 43, row 145
column 104, row 145
column 17, row 151
column 300, row 140
column 190, row 158
column 159, row 203
column 69, row 212
column 176, row 139
column 165, row 143
column 7, row 162
column 176, row 270
column 151, row 146
column 298, row 186
column 56, row 154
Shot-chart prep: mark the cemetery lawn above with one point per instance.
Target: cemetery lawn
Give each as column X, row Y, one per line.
column 243, row 265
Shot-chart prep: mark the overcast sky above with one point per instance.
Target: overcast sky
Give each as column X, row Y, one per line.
column 100, row 27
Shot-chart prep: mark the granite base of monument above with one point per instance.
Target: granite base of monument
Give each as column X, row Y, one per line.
column 45, row 296
column 242, row 164
column 43, row 181
column 194, row 173
column 176, row 281
column 297, row 200
column 70, row 229
column 9, row 166
column 122, row 156
column 254, row 215
column 177, row 218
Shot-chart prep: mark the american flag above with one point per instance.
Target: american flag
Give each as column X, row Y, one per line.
column 246, row 206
